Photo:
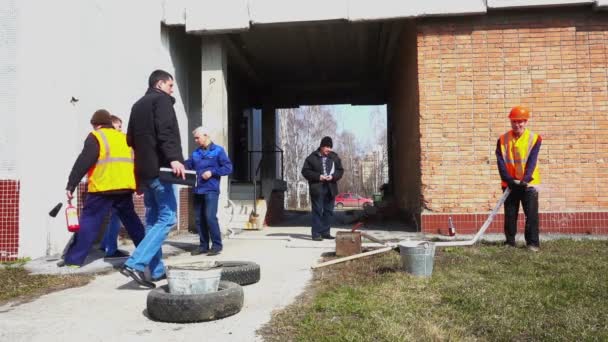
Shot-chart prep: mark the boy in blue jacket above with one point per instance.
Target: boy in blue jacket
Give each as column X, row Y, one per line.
column 210, row 163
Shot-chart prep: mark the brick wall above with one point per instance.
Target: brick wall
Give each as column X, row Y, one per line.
column 9, row 219
column 473, row 70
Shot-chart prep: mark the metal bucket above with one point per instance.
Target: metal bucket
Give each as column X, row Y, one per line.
column 194, row 278
column 417, row 257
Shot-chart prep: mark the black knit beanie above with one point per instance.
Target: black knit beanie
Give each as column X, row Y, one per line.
column 327, row 142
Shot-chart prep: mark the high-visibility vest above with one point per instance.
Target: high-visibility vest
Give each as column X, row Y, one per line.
column 114, row 169
column 515, row 153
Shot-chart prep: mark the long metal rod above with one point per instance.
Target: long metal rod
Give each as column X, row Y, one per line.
column 483, row 228
column 356, row 256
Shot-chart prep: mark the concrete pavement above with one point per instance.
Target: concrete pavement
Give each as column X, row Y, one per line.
column 112, row 307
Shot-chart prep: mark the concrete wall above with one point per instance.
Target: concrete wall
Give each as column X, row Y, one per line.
column 100, row 52
column 472, row 71
column 404, row 125
column 9, row 185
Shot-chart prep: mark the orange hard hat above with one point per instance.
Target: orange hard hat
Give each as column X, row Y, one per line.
column 519, row 113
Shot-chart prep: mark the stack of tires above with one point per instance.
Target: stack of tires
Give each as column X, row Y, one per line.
column 227, row 301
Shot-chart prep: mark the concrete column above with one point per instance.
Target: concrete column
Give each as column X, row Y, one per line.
column 214, row 99
column 269, row 139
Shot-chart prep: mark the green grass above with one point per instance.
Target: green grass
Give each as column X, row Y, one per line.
column 483, row 293
column 18, row 285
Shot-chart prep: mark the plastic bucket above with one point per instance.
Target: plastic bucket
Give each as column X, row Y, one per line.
column 193, row 278
column 417, row 257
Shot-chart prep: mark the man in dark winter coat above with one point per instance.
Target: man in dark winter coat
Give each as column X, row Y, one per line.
column 323, row 169
column 154, row 135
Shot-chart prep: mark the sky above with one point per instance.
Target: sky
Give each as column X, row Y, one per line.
column 357, row 120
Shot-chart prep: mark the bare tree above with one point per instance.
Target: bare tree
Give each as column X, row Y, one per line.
column 301, row 130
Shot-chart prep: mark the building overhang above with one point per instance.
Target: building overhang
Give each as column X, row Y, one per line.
column 213, row 17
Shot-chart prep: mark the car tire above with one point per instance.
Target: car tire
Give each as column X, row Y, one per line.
column 180, row 308
column 240, row 272
column 367, row 204
column 339, row 205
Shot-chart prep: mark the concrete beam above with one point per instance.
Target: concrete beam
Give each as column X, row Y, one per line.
column 206, row 16
column 360, row 10
column 281, row 11
column 534, row 3
column 269, row 141
column 601, row 4
column 241, row 59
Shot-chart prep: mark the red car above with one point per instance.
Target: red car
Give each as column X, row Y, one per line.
column 347, row 199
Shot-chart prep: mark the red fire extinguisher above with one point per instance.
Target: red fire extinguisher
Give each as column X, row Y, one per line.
column 451, row 228
column 71, row 218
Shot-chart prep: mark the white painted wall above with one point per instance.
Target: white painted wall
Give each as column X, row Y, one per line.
column 217, row 16
column 534, row 3
column 359, row 10
column 8, row 80
column 100, row 52
column 277, row 11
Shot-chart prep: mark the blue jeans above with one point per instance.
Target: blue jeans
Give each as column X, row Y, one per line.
column 108, row 243
column 94, row 210
column 322, row 211
column 205, row 211
column 161, row 207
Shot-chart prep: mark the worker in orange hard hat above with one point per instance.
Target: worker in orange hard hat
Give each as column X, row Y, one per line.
column 517, row 159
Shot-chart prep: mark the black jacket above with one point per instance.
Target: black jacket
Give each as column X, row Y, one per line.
column 313, row 169
column 153, row 134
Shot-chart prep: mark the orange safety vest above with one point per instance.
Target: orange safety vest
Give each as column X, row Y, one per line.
column 515, row 153
column 114, row 169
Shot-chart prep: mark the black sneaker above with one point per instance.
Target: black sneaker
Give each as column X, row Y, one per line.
column 199, row 252
column 213, row 252
column 317, row 238
column 117, row 255
column 327, row 237
column 136, row 275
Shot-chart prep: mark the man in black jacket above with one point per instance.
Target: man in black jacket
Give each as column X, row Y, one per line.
column 153, row 133
column 323, row 169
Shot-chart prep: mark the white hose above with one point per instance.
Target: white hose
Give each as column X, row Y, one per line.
column 483, row 228
column 233, row 236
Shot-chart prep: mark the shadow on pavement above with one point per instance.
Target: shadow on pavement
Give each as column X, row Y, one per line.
column 293, row 236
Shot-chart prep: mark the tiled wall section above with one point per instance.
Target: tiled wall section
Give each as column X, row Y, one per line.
column 9, row 219
column 183, row 209
column 565, row 223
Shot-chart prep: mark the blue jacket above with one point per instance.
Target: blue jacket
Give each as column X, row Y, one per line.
column 213, row 159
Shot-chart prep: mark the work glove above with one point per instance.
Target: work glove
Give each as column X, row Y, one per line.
column 511, row 184
column 517, row 184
